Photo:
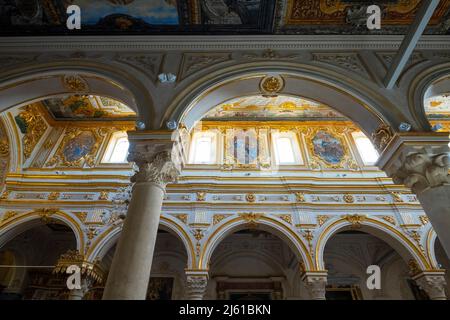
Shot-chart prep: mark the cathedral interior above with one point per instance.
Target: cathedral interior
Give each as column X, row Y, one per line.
column 224, row 150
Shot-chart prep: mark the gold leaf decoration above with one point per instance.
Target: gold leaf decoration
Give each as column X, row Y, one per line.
column 355, row 220
column 389, row 219
column 32, row 126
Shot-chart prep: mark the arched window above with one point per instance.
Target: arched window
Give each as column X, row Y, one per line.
column 367, row 151
column 286, row 148
column 117, row 151
column 203, row 148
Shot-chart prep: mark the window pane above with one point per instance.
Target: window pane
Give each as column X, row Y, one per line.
column 284, row 150
column 203, row 150
column 120, row 152
column 366, row 149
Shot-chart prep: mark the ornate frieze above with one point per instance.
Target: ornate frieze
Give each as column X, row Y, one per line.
column 349, row 61
column 194, row 62
column 149, row 63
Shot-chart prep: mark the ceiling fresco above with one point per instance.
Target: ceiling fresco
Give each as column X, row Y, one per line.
column 272, row 108
column 438, row 107
column 38, row 17
column 137, row 16
column 77, row 107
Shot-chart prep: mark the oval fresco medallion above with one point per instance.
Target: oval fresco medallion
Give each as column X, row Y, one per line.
column 328, row 147
column 78, row 147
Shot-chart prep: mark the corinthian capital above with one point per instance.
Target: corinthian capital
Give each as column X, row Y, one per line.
column 433, row 283
column 418, row 161
column 196, row 283
column 315, row 283
column 157, row 157
column 421, row 171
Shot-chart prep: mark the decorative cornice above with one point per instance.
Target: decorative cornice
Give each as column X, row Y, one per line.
column 280, row 42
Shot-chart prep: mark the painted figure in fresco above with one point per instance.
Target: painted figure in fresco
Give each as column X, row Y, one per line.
column 230, row 11
column 328, row 147
column 79, row 146
column 20, row 12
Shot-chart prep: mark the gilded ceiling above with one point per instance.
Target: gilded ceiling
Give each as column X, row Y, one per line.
column 213, row 16
column 281, row 107
column 87, row 108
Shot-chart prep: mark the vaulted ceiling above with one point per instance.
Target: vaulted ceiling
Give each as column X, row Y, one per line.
column 214, row 17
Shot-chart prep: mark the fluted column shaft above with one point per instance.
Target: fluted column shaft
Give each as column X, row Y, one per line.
column 130, row 270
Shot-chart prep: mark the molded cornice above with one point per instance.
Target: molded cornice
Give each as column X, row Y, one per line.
column 286, row 42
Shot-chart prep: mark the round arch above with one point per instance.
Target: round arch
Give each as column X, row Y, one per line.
column 264, row 223
column 398, row 241
column 22, row 223
column 431, row 237
column 357, row 101
column 433, row 81
column 33, row 83
column 110, row 237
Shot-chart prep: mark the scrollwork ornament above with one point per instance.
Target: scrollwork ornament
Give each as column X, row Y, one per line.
column 382, row 136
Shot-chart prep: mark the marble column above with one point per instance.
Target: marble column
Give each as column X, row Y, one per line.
column 433, row 283
column 78, row 294
column 157, row 156
column 421, row 162
column 315, row 282
column 196, row 283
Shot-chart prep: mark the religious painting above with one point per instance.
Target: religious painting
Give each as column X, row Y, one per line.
column 230, row 11
column 328, row 147
column 160, row 288
column 96, row 16
column 244, row 147
column 87, row 108
column 28, row 17
column 79, row 147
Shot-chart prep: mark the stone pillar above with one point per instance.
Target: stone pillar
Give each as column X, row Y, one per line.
column 315, row 282
column 78, row 294
column 421, row 162
column 196, row 283
column 158, row 158
column 433, row 283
